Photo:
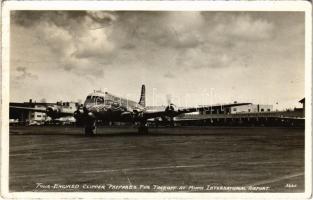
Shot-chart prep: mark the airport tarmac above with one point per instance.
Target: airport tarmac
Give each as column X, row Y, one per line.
column 180, row 159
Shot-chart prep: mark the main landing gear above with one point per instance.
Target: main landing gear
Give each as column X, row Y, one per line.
column 143, row 128
column 90, row 129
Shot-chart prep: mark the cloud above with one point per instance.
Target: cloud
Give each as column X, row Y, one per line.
column 78, row 40
column 210, row 58
column 160, row 29
column 244, row 27
column 169, row 75
column 163, row 49
column 95, row 44
column 190, row 39
column 97, row 40
column 22, row 73
column 66, row 19
column 182, row 30
column 103, row 18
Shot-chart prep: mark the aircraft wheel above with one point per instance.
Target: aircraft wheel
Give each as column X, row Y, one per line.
column 90, row 130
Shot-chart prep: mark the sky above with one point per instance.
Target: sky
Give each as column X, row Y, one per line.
column 191, row 58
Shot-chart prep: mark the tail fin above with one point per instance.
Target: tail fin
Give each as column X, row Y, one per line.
column 142, row 100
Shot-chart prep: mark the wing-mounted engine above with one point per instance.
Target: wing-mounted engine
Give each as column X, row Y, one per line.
column 171, row 110
column 127, row 116
column 137, row 114
column 85, row 117
column 54, row 112
column 79, row 115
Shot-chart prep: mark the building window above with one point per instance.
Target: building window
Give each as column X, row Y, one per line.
column 234, row 109
column 38, row 115
column 249, row 110
column 262, row 110
column 268, row 110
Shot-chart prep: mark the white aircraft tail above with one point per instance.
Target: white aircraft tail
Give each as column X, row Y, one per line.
column 142, row 100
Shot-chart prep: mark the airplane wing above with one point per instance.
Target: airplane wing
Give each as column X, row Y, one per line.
column 29, row 109
column 153, row 114
column 168, row 112
column 51, row 112
column 171, row 111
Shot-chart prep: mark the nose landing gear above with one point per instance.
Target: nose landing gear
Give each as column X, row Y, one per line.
column 143, row 128
column 90, row 129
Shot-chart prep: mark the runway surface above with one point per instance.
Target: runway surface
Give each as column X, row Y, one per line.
column 192, row 159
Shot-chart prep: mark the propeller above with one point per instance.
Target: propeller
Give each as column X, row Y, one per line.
column 79, row 114
column 171, row 110
column 52, row 112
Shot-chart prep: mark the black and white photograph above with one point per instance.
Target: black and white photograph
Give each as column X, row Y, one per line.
column 157, row 101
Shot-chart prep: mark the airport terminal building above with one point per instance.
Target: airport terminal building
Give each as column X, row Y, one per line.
column 236, row 108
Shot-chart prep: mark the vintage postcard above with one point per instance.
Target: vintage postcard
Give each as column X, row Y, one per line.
column 162, row 99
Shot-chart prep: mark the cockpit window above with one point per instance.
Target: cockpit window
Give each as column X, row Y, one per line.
column 95, row 99
column 99, row 100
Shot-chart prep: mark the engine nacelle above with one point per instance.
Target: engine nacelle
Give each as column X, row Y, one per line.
column 137, row 114
column 171, row 109
column 79, row 114
column 127, row 116
column 53, row 112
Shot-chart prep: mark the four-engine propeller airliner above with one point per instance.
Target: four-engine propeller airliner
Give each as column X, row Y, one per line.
column 100, row 106
column 107, row 107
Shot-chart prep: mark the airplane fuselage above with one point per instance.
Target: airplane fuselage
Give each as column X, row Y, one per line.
column 107, row 107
